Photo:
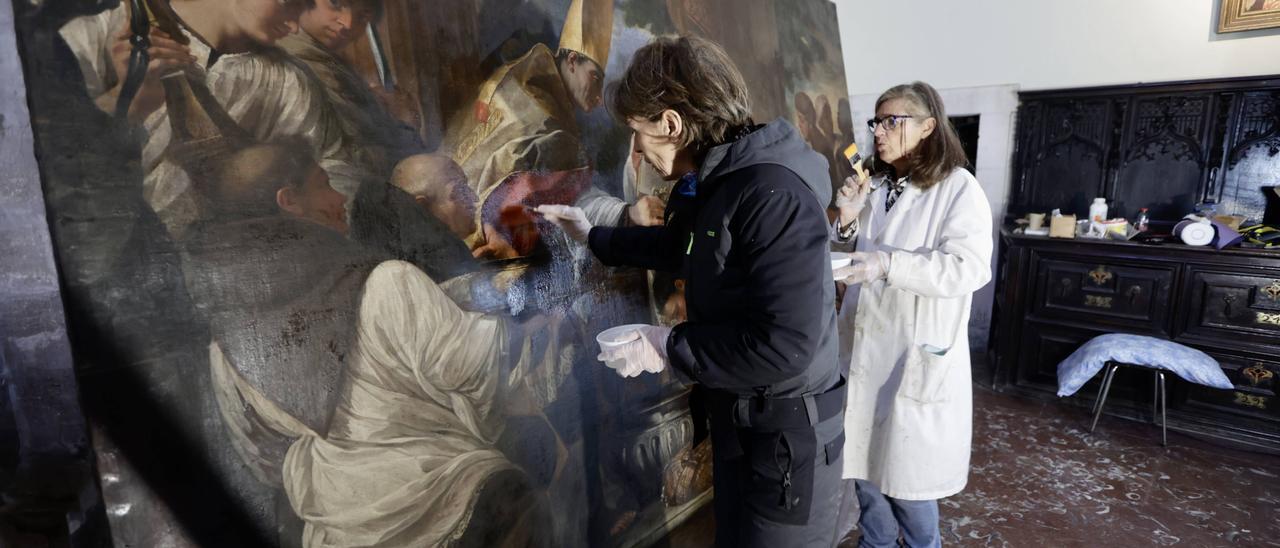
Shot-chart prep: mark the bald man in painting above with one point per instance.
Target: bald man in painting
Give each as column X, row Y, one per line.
column 439, row 186
column 423, row 219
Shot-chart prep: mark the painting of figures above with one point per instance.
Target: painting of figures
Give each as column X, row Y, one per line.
column 309, row 298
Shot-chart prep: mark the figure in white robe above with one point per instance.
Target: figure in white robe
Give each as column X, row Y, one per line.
column 411, row 438
column 351, row 387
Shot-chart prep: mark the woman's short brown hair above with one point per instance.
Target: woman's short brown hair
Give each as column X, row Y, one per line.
column 690, row 75
column 941, row 152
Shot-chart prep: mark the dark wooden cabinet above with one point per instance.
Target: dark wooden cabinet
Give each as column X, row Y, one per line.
column 1171, row 148
column 1057, row 294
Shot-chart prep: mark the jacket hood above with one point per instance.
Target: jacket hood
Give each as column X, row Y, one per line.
column 777, row 142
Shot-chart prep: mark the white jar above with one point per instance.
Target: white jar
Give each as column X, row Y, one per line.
column 1098, row 213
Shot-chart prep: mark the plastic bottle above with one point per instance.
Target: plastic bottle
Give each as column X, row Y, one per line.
column 1140, row 224
column 1098, row 213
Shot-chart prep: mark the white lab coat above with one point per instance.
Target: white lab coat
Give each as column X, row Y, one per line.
column 908, row 423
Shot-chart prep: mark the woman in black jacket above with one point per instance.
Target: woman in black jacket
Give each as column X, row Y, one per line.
column 746, row 228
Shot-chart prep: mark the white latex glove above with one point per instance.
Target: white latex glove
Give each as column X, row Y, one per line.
column 866, row 267
column 570, row 219
column 645, row 354
column 852, row 196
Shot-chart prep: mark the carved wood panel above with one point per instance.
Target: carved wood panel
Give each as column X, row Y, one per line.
column 1066, row 162
column 1253, row 158
column 1259, row 125
column 1163, row 157
column 1027, row 145
column 1167, row 147
column 1224, row 112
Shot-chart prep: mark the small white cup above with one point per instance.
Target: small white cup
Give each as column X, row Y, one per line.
column 1035, row 221
column 617, row 336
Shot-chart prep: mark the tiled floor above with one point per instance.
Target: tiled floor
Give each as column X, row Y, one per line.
column 1039, row 479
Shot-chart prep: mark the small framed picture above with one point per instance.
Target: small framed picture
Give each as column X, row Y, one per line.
column 1238, row 15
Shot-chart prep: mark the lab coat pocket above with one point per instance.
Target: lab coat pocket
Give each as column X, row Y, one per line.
column 924, row 375
column 937, row 327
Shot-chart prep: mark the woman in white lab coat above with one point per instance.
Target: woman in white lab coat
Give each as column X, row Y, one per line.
column 923, row 230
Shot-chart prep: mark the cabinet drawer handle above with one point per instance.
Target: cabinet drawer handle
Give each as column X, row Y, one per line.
column 1272, row 291
column 1134, row 292
column 1257, row 374
column 1227, row 310
column 1066, row 286
column 1100, row 275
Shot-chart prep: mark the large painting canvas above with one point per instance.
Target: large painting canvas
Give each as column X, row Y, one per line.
column 308, row 300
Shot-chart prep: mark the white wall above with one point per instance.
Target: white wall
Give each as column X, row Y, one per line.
column 1039, row 44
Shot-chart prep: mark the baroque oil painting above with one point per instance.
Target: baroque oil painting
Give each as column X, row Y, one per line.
column 309, row 302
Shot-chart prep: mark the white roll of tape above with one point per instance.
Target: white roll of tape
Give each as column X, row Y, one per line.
column 1194, row 232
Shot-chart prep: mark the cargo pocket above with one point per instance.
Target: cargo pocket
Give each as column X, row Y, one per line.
column 781, row 465
column 833, row 448
column 924, row 376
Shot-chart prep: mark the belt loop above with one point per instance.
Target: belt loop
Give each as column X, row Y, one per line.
column 742, row 411
column 811, row 409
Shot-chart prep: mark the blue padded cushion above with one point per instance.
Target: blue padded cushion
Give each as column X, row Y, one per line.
column 1188, row 363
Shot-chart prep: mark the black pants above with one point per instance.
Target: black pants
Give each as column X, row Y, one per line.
column 754, row 506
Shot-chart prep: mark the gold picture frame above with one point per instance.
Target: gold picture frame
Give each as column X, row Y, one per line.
column 1241, row 15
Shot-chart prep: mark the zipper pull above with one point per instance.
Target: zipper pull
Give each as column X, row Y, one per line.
column 786, row 503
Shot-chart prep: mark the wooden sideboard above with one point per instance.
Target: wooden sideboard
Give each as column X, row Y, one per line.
column 1057, row 294
column 1171, row 147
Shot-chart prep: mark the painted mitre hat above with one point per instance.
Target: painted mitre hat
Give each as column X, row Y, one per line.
column 588, row 29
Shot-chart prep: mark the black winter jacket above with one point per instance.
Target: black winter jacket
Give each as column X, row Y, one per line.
column 752, row 245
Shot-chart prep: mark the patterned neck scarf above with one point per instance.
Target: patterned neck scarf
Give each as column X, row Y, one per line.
column 688, row 184
column 895, row 191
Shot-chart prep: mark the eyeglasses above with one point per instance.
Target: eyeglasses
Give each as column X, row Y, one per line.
column 889, row 123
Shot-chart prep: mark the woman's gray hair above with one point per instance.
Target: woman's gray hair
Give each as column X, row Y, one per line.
column 690, row 75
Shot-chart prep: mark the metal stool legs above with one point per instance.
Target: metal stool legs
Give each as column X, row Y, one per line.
column 1102, row 394
column 1158, row 384
column 1159, row 401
